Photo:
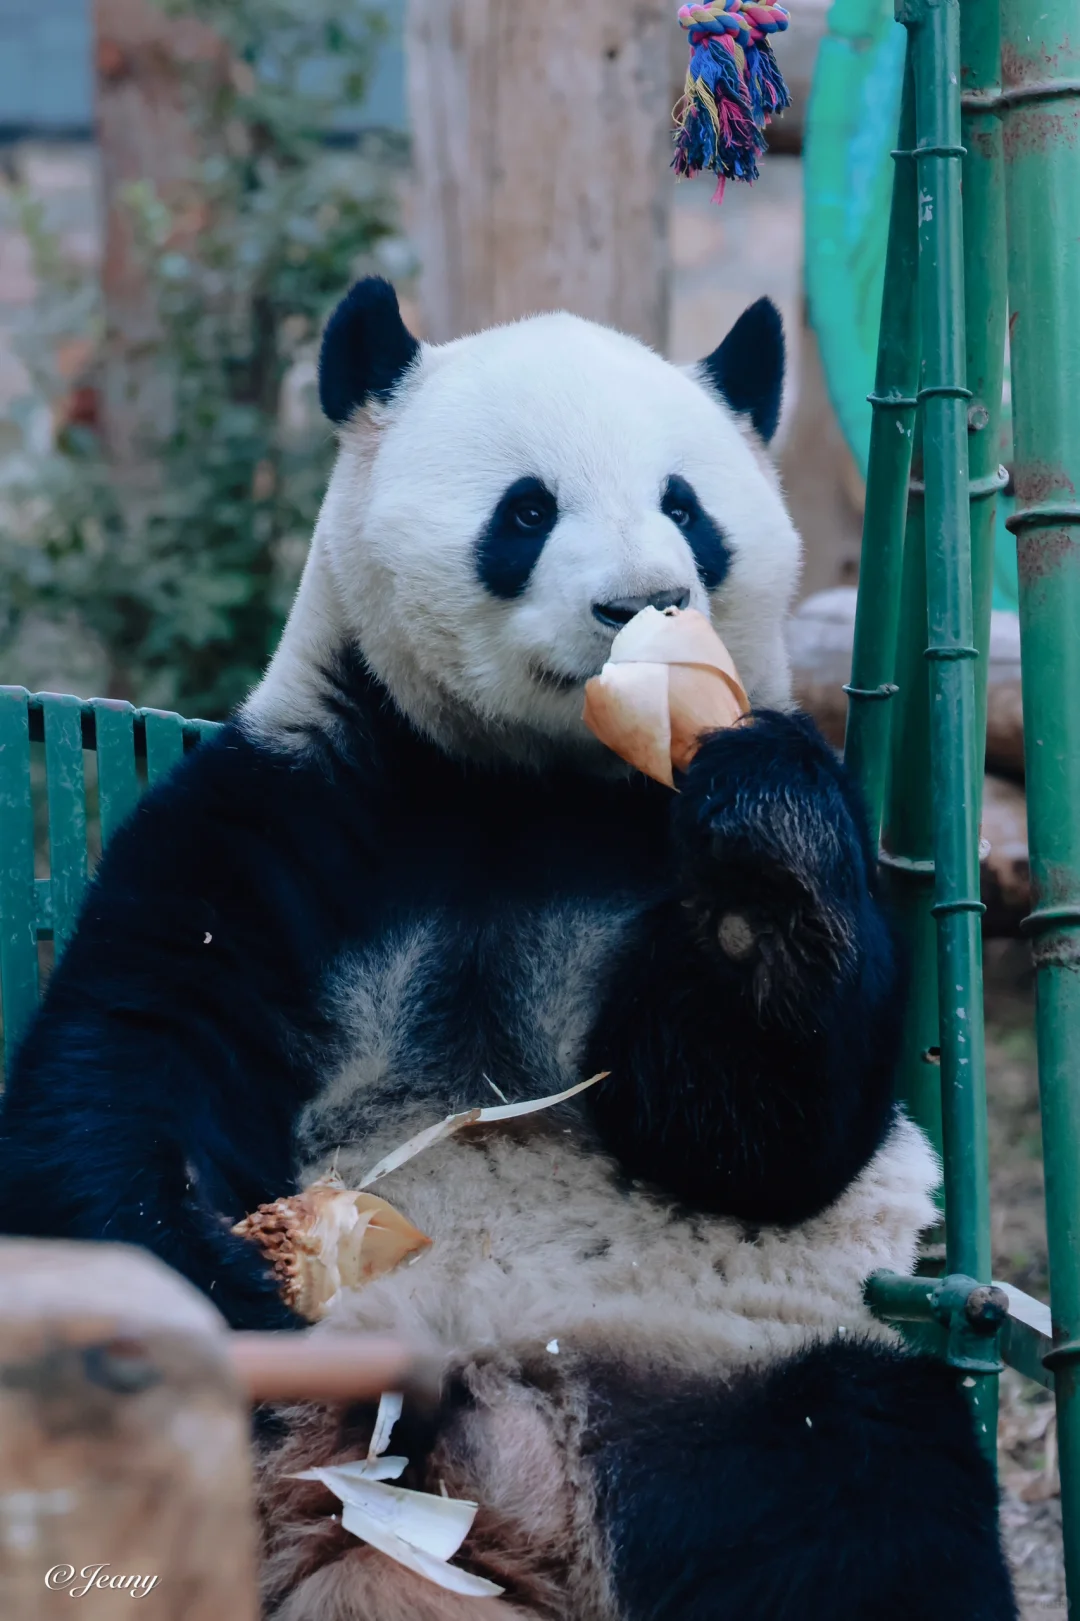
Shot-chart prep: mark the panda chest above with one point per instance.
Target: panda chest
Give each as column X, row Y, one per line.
column 441, row 1011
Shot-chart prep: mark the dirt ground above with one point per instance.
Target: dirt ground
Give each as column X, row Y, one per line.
column 1031, row 1508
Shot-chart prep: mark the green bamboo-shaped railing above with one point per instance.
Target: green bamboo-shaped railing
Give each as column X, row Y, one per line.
column 985, row 307
column 943, row 396
column 967, row 123
column 907, row 855
column 866, row 741
column 1040, row 107
column 985, row 302
column 930, row 834
column 892, row 606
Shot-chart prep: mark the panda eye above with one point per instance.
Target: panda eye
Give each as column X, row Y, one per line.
column 529, row 514
column 509, row 546
column 678, row 503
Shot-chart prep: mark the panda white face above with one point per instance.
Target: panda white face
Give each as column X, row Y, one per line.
column 518, row 497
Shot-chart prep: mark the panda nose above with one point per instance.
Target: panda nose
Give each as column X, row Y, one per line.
column 621, row 610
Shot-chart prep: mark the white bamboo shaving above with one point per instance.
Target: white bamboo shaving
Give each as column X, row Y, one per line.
column 450, row 1577
column 388, row 1468
column 435, row 1525
column 468, row 1117
column 419, row 1530
column 390, row 1404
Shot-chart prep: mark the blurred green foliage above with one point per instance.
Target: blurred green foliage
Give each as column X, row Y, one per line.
column 184, row 583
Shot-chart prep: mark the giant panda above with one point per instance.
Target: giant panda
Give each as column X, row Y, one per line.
column 404, row 876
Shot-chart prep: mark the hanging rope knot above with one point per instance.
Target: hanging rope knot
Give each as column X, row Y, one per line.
column 749, row 23
column 733, row 88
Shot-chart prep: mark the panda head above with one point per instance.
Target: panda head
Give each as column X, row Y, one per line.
column 503, row 504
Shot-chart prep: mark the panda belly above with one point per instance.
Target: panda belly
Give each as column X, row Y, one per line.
column 448, row 1011
column 536, row 1234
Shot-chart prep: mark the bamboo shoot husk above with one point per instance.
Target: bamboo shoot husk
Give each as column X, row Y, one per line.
column 668, row 680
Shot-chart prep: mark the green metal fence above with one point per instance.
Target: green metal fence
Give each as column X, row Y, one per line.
column 131, row 748
column 986, row 205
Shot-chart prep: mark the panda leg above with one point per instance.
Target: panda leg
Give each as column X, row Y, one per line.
column 844, row 1483
column 363, row 1585
column 498, row 1437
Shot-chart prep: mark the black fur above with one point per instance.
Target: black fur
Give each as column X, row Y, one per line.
column 156, row 1094
column 757, row 1087
column 510, row 547
column 366, row 349
column 703, row 535
column 748, row 366
column 844, row 1482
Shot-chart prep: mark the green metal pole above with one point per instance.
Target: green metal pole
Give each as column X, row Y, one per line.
column 985, row 300
column 907, row 853
column 935, row 34
column 1041, row 109
column 866, row 743
column 985, row 303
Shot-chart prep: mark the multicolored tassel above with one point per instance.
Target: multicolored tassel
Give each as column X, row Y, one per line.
column 733, row 88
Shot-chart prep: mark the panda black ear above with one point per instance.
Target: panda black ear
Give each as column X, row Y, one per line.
column 747, row 369
column 366, row 349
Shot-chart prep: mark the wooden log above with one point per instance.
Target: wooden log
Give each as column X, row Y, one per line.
column 820, row 638
column 542, row 143
column 1004, row 870
column 1005, row 722
column 328, row 1367
column 124, row 1465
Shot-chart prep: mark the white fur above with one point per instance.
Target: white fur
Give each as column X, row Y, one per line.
column 604, row 422
column 519, row 1224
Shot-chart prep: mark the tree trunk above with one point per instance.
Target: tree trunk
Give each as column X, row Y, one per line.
column 144, row 135
column 541, row 140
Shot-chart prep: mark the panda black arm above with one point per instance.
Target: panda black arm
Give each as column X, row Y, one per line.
column 154, row 1096
column 751, row 1023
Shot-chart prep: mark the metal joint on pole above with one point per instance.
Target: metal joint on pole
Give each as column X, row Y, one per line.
column 1051, row 514
column 972, row 1315
column 1037, row 90
column 892, row 402
column 979, row 489
column 887, row 689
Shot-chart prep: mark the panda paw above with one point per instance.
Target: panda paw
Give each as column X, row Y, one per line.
column 775, row 857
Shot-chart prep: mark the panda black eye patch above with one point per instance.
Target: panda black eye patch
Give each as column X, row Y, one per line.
column 514, row 537
column 705, row 538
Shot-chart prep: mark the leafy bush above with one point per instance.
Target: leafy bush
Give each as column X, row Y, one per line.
column 184, row 578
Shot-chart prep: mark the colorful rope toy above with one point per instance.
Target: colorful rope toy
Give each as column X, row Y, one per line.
column 733, row 88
